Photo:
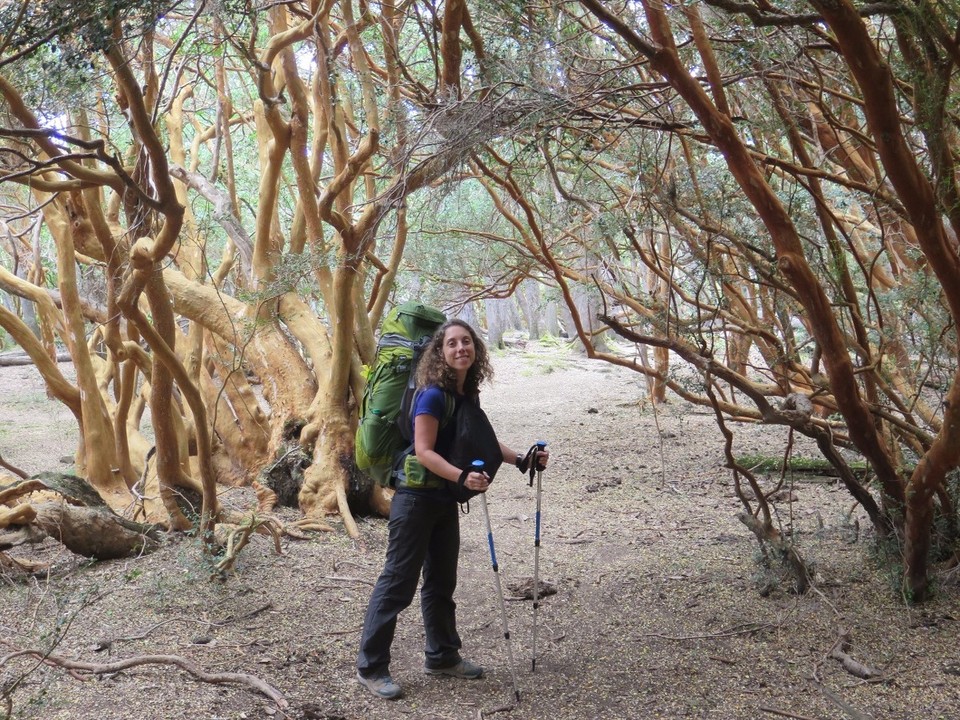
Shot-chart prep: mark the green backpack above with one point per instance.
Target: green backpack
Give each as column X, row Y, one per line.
column 383, row 433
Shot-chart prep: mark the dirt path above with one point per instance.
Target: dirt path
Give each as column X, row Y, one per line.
column 657, row 613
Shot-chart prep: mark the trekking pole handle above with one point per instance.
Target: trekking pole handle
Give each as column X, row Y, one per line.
column 541, row 446
column 538, row 446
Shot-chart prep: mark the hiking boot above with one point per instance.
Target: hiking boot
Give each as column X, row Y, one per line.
column 383, row 687
column 463, row 669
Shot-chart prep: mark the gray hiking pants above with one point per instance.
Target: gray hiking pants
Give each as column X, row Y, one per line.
column 424, row 533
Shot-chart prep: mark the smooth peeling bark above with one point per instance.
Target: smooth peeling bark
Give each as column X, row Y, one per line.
column 246, row 452
column 379, row 301
column 125, row 356
column 288, row 383
column 663, row 58
column 450, row 51
column 307, row 210
column 306, row 327
column 927, row 479
column 273, row 142
column 364, row 332
column 99, row 445
column 333, row 454
column 160, row 338
column 919, row 199
column 267, row 243
column 287, row 390
column 881, row 109
column 77, row 170
column 190, row 256
column 239, row 421
column 166, row 202
column 162, row 409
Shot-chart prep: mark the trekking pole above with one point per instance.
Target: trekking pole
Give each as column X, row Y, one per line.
column 477, row 466
column 535, row 463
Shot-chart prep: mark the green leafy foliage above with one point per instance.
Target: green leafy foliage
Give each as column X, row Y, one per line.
column 78, row 28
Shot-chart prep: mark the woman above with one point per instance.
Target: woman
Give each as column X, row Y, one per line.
column 424, row 529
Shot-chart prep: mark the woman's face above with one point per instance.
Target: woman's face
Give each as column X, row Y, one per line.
column 458, row 348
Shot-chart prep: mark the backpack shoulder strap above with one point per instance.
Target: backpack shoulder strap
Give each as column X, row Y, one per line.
column 449, row 408
column 409, row 398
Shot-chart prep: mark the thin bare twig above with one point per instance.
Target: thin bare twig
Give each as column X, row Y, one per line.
column 209, row 623
column 784, row 713
column 492, row 711
column 348, row 579
column 744, row 630
column 81, row 668
column 13, row 468
column 348, row 631
column 850, row 711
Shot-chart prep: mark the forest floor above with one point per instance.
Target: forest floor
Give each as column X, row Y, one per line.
column 658, row 611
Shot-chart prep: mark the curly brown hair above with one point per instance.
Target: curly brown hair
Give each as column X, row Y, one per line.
column 433, row 369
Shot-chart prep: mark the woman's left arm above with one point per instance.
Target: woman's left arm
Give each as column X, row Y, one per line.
column 509, row 456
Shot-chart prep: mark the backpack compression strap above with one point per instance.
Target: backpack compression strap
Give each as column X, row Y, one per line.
column 409, row 399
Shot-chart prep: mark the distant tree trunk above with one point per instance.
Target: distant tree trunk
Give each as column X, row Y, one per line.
column 587, row 307
column 468, row 313
column 528, row 296
column 498, row 320
column 29, row 314
column 551, row 319
column 24, row 309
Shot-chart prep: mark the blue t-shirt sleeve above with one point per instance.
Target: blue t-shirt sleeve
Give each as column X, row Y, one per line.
column 430, row 401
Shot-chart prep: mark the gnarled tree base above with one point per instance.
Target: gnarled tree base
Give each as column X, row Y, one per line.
column 94, row 533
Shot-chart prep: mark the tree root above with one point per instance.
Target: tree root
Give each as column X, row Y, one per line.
column 266, row 498
column 26, row 567
column 307, row 524
column 348, row 522
column 297, row 529
column 79, row 670
column 380, row 499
